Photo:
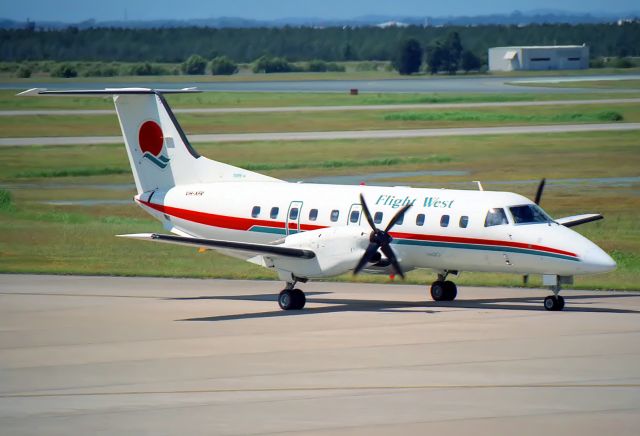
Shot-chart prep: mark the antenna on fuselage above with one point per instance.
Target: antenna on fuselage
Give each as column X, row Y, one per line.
column 480, row 188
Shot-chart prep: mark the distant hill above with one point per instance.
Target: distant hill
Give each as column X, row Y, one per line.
column 516, row 18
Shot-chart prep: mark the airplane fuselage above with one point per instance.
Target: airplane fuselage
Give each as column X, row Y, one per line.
column 444, row 230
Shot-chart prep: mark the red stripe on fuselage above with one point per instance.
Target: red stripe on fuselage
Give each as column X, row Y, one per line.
column 229, row 222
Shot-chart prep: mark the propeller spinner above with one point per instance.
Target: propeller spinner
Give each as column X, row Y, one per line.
column 380, row 240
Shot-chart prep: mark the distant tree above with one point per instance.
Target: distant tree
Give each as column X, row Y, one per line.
column 436, row 58
column 317, row 66
column 409, row 57
column 223, row 66
column 196, row 64
column 24, row 71
column 347, row 53
column 64, row 70
column 266, row 64
column 470, row 62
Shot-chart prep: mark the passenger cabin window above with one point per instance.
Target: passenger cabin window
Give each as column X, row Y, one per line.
column 400, row 220
column 377, row 218
column 313, row 214
column 335, row 214
column 293, row 213
column 355, row 216
column 528, row 214
column 444, row 221
column 255, row 212
column 420, row 219
column 495, row 217
column 274, row 212
column 464, row 221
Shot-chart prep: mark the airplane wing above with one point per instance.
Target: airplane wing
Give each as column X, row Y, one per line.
column 265, row 249
column 576, row 220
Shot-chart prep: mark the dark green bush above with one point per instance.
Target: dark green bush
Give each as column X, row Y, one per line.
column 223, row 66
column 196, row 64
column 65, row 70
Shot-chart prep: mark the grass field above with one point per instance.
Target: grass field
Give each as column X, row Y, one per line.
column 99, row 125
column 40, row 237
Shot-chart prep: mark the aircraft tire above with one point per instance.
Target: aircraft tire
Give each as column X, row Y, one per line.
column 291, row 299
column 554, row 303
column 438, row 291
column 451, row 291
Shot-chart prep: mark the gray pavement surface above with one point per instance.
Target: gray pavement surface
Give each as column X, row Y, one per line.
column 377, row 107
column 462, row 84
column 346, row 134
column 104, row 355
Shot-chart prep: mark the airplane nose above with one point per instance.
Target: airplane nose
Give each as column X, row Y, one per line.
column 597, row 261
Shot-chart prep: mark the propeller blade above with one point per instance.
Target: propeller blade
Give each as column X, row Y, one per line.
column 540, row 191
column 397, row 216
column 388, row 251
column 367, row 214
column 366, row 257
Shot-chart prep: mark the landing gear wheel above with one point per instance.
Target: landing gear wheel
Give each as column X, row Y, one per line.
column 554, row 303
column 443, row 291
column 451, row 291
column 291, row 299
column 438, row 291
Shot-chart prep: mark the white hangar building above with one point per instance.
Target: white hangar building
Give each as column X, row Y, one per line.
column 551, row 57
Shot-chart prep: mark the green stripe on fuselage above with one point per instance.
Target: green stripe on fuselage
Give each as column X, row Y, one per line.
column 482, row 247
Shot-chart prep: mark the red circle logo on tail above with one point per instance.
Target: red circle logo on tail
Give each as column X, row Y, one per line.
column 151, row 138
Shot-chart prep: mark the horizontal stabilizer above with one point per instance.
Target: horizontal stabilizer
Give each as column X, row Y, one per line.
column 34, row 92
column 264, row 249
column 576, row 220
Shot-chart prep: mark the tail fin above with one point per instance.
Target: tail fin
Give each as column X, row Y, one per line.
column 159, row 152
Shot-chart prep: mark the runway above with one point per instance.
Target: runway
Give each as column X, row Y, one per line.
column 458, row 84
column 105, row 355
column 344, row 134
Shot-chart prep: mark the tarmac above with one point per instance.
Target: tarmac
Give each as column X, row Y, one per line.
column 343, row 134
column 107, row 355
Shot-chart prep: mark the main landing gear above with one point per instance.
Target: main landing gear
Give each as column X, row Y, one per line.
column 443, row 290
column 291, row 298
column 554, row 302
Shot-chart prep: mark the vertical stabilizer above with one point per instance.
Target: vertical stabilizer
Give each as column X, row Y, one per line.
column 159, row 152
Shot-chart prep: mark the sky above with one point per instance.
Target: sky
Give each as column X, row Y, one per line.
column 79, row 10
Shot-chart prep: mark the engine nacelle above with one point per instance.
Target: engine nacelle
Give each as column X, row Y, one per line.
column 337, row 249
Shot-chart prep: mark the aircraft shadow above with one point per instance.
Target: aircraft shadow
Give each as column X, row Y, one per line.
column 334, row 305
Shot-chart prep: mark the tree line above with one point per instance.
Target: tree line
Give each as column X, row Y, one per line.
column 295, row 44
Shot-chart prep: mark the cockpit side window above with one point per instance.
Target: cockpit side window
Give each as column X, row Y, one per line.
column 528, row 214
column 496, row 217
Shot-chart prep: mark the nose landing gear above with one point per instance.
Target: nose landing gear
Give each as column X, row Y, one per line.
column 291, row 298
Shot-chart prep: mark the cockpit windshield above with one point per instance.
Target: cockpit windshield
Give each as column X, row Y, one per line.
column 495, row 217
column 528, row 214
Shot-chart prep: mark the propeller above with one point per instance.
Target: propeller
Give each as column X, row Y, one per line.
column 380, row 240
column 540, row 191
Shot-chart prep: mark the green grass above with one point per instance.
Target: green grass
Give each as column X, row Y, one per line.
column 504, row 117
column 201, row 123
column 42, row 238
column 72, row 172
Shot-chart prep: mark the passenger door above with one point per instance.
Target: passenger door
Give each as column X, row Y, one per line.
column 292, row 222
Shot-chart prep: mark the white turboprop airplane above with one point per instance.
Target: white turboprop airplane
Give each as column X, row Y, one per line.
column 308, row 231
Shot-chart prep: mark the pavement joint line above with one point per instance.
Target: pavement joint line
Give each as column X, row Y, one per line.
column 331, row 388
column 345, row 134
